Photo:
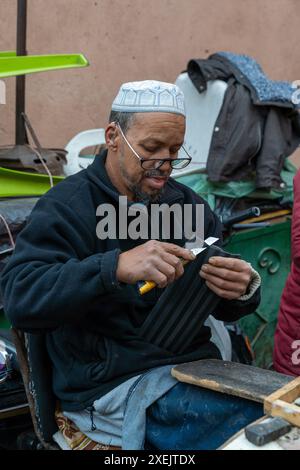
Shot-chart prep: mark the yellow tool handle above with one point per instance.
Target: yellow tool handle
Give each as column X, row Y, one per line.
column 146, row 287
column 267, row 216
column 149, row 285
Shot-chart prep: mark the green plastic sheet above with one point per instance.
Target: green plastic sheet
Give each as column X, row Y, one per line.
column 238, row 189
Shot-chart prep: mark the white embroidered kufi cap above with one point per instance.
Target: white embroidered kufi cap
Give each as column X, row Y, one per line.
column 149, row 96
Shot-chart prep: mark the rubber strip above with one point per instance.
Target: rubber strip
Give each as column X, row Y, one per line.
column 183, row 307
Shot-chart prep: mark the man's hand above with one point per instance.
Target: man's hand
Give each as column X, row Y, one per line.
column 227, row 277
column 153, row 261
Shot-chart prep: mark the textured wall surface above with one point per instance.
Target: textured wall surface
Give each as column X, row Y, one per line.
column 132, row 40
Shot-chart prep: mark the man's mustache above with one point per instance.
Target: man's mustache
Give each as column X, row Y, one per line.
column 155, row 174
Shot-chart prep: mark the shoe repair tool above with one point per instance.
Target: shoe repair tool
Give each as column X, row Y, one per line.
column 183, row 307
column 267, row 431
column 282, row 403
column 284, row 411
column 146, row 286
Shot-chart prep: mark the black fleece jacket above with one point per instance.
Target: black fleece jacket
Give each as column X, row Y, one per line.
column 61, row 280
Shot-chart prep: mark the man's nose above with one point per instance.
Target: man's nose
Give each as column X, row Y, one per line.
column 166, row 166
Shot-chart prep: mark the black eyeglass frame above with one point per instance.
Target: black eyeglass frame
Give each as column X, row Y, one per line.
column 159, row 161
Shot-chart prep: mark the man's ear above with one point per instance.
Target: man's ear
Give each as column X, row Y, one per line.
column 111, row 135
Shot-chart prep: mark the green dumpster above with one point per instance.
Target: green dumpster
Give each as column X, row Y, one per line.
column 268, row 250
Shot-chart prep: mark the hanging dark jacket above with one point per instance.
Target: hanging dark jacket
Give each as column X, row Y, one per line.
column 257, row 127
column 62, row 280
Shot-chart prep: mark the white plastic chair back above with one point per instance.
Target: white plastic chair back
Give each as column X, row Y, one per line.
column 89, row 138
column 202, row 111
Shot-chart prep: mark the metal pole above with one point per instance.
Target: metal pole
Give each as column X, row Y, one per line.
column 20, row 80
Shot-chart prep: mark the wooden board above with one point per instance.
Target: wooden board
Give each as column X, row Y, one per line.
column 232, row 378
column 281, row 402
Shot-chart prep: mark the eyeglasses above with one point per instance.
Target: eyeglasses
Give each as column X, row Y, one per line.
column 155, row 163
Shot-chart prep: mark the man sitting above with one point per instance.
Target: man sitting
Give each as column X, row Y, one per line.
column 76, row 278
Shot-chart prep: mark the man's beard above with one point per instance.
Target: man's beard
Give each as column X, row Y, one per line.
column 138, row 194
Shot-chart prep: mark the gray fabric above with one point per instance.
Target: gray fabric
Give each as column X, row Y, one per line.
column 148, row 388
column 220, row 337
column 107, row 416
column 120, row 415
column 267, row 89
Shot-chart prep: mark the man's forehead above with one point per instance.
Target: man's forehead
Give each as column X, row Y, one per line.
column 158, row 119
column 153, row 126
